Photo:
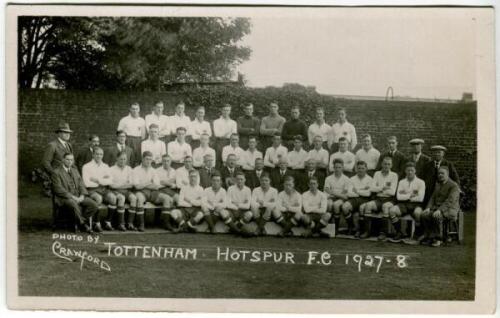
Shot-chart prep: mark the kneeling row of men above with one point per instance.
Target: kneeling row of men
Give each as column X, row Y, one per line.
column 351, row 198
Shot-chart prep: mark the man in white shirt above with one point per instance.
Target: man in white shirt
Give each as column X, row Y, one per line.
column 410, row 197
column 199, row 126
column 342, row 128
column 384, row 187
column 182, row 173
column 239, row 198
column 298, row 156
column 248, row 158
column 214, row 204
column 337, row 187
column 179, row 149
column 264, row 199
column 189, row 206
column 319, row 128
column 158, row 118
column 274, row 153
column 359, row 194
column 233, row 148
column 368, row 154
column 121, row 186
column 135, row 128
column 319, row 154
column 203, row 150
column 96, row 176
column 167, row 177
column 146, row 184
column 224, row 127
column 314, row 203
column 179, row 119
column 288, row 211
column 154, row 145
column 346, row 156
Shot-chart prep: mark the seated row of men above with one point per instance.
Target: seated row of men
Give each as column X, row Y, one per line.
column 187, row 196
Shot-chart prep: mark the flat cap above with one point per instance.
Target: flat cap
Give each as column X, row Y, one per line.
column 416, row 141
column 438, row 147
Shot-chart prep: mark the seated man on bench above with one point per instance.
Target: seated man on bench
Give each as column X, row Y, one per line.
column 384, row 187
column 264, row 199
column 146, row 185
column 314, row 202
column 214, row 204
column 288, row 211
column 189, row 214
column 336, row 188
column 443, row 204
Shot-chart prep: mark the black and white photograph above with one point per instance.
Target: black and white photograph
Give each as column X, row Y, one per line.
column 168, row 155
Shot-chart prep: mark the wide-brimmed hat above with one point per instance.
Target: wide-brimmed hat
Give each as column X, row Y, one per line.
column 64, row 127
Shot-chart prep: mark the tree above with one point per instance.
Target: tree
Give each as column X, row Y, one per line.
column 129, row 53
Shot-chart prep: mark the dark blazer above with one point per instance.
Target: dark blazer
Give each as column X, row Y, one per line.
column 83, row 156
column 398, row 162
column 206, row 177
column 302, row 183
column 228, row 178
column 420, row 164
column 430, row 176
column 252, row 181
column 111, row 153
column 65, row 184
column 53, row 155
column 446, row 197
column 277, row 179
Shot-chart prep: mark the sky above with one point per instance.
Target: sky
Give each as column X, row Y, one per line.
column 421, row 56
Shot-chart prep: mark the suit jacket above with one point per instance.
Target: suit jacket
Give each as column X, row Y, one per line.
column 228, row 177
column 398, row 162
column 420, row 164
column 206, row 177
column 83, row 156
column 112, row 152
column 65, row 184
column 430, row 176
column 53, row 155
column 302, row 183
column 446, row 198
column 277, row 179
column 252, row 180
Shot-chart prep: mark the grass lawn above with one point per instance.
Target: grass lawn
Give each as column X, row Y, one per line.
column 445, row 273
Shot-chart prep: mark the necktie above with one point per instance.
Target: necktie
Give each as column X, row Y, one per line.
column 436, row 163
column 310, row 174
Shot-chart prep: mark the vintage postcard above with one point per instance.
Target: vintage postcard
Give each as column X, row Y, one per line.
column 251, row 159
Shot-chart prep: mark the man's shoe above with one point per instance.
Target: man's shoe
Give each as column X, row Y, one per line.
column 86, row 228
column 131, row 227
column 397, row 238
column 97, row 227
column 108, row 226
column 364, row 235
column 436, row 243
column 357, row 235
column 382, row 237
column 122, row 228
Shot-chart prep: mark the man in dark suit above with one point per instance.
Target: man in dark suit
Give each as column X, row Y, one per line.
column 398, row 158
column 310, row 172
column 253, row 176
column 207, row 171
column 431, row 169
column 53, row 155
column 420, row 159
column 70, row 193
column 86, row 153
column 279, row 175
column 111, row 154
column 228, row 172
column 443, row 204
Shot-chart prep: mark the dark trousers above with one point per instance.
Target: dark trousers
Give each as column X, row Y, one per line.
column 135, row 144
column 220, row 143
column 83, row 210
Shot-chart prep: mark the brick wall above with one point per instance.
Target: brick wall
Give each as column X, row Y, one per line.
column 453, row 125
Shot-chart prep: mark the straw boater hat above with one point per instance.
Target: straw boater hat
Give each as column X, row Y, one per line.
column 63, row 127
column 417, row 141
column 438, row 147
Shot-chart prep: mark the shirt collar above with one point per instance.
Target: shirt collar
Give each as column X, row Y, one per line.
column 62, row 141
